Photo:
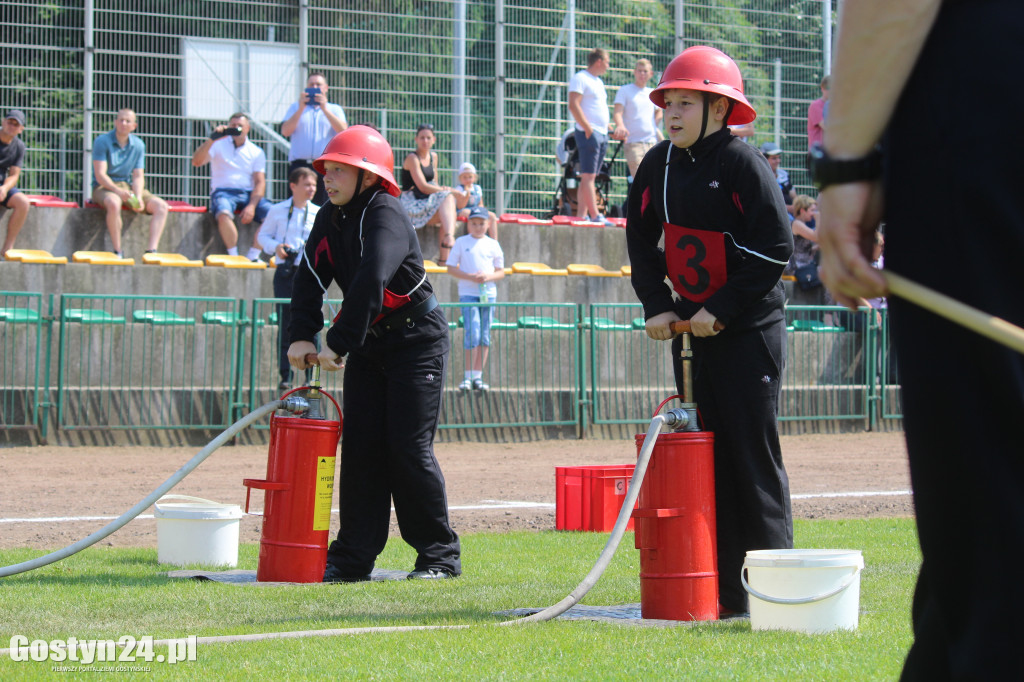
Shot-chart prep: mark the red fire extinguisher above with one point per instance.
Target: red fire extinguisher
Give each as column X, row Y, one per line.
column 299, row 490
column 675, row 519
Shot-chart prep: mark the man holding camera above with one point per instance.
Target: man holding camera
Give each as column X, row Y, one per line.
column 283, row 235
column 238, row 178
column 311, row 123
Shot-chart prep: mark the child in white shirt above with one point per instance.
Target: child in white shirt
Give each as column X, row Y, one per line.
column 469, row 195
column 477, row 262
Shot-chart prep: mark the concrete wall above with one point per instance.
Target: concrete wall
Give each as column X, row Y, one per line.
column 62, row 231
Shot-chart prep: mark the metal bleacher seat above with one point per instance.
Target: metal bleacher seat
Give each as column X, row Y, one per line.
column 537, row 269
column 591, row 270
column 241, row 262
column 545, row 323
column 162, row 318
column 19, row 315
column 34, row 256
column 100, row 258
column 48, row 201
column 172, row 260
column 91, row 316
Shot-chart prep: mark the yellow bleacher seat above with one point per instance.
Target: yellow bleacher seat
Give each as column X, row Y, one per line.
column 627, row 270
column 591, row 270
column 538, row 269
column 34, row 256
column 433, row 268
column 100, row 258
column 173, row 260
column 240, row 262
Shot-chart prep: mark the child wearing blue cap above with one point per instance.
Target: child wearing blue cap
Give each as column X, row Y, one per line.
column 477, row 262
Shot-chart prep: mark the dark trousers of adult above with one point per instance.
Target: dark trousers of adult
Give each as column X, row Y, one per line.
column 391, row 410
column 962, row 236
column 283, row 276
column 320, row 198
column 737, row 378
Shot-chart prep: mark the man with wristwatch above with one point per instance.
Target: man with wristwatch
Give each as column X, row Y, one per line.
column 935, row 71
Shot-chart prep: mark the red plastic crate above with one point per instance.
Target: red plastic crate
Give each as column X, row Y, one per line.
column 589, row 497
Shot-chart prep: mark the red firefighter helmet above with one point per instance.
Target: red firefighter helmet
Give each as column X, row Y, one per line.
column 706, row 69
column 362, row 147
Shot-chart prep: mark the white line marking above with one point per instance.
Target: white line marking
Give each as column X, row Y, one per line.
column 483, row 506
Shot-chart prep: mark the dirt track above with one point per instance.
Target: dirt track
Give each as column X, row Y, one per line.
column 50, row 482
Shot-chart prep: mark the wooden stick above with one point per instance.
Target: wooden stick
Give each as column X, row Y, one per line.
column 684, row 326
column 990, row 326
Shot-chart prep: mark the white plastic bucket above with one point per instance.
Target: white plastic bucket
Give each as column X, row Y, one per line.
column 196, row 531
column 807, row 590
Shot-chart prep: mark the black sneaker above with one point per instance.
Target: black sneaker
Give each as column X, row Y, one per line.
column 332, row 574
column 430, row 574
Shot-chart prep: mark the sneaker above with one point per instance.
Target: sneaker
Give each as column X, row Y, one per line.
column 479, row 385
column 430, row 574
column 465, row 385
column 332, row 574
column 284, row 386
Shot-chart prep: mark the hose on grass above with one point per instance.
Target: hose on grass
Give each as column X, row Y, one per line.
column 670, row 418
column 148, row 501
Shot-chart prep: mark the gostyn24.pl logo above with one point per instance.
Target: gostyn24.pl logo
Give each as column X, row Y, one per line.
column 126, row 649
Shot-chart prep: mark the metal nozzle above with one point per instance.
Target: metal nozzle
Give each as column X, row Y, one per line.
column 682, row 418
column 295, row 404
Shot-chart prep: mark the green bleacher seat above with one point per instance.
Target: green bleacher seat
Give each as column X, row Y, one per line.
column 638, row 323
column 91, row 316
column 606, row 325
column 272, row 318
column 538, row 322
column 161, row 318
column 18, row 315
column 226, row 318
column 813, row 326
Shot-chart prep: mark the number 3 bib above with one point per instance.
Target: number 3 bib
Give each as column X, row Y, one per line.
column 695, row 260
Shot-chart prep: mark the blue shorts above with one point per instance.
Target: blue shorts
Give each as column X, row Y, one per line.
column 10, row 193
column 477, row 323
column 224, row 200
column 591, row 152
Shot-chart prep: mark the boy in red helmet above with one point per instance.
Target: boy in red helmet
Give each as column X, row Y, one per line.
column 396, row 340
column 714, row 201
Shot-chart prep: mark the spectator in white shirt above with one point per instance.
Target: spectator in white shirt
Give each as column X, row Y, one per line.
column 238, row 178
column 635, row 113
column 588, row 104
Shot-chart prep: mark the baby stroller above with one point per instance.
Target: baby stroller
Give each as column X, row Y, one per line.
column 565, row 193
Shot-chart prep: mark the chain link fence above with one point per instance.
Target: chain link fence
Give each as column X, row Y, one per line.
column 489, row 74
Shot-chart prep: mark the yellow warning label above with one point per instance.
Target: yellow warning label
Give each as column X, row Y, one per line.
column 324, row 493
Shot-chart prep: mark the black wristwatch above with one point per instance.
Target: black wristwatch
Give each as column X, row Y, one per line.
column 827, row 171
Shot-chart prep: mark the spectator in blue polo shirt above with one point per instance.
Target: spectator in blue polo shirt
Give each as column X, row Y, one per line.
column 118, row 161
column 311, row 123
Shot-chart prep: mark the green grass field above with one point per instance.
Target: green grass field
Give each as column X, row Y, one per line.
column 107, row 593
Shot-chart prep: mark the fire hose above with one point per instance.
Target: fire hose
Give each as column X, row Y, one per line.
column 229, row 433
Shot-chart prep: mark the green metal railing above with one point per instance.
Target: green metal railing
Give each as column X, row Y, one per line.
column 23, row 325
column 146, row 362
column 160, row 362
column 533, row 368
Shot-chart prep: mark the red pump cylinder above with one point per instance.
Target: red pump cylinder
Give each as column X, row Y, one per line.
column 675, row 529
column 297, row 503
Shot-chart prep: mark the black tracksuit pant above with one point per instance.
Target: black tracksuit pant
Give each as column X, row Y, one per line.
column 391, row 410
column 959, row 228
